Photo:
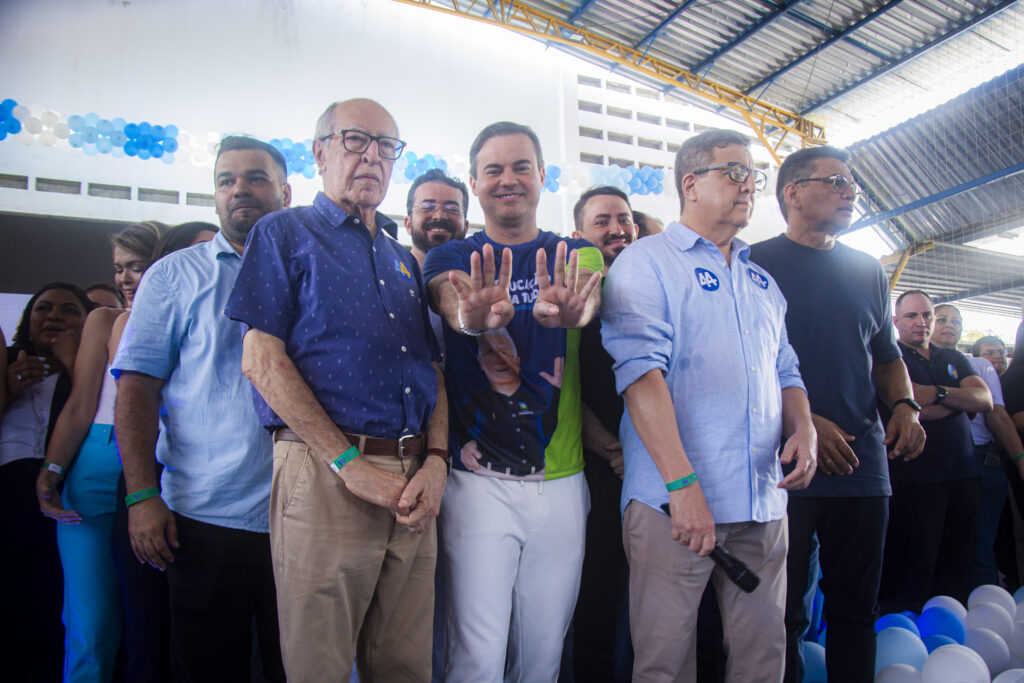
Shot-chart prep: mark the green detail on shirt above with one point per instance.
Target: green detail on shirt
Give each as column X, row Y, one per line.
column 564, row 455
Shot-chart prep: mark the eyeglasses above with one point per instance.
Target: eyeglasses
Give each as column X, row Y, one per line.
column 839, row 183
column 357, row 142
column 449, row 208
column 739, row 173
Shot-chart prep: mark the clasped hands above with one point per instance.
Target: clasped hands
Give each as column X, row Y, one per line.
column 485, row 303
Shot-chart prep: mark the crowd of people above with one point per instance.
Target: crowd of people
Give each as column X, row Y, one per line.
column 229, row 466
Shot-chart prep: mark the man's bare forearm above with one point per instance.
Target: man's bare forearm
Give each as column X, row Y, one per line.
column 796, row 412
column 137, row 423
column 892, row 381
column 651, row 409
column 266, row 364
column 444, row 299
column 437, row 428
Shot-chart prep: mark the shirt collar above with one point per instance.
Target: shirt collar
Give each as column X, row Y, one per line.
column 337, row 216
column 222, row 247
column 685, row 238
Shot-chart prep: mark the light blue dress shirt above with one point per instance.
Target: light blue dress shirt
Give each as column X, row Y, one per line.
column 218, row 460
column 718, row 333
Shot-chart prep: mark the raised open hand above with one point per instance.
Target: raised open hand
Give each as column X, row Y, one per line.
column 484, row 304
column 558, row 303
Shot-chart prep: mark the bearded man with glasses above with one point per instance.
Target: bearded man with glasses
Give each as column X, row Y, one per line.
column 840, row 325
column 338, row 346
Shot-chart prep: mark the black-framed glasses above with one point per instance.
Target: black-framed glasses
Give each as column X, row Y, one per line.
column 739, row 173
column 449, row 208
column 838, row 182
column 358, row 141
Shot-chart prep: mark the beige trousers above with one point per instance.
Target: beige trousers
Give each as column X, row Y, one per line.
column 667, row 580
column 352, row 583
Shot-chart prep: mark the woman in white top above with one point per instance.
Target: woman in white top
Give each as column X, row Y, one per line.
column 38, row 382
column 84, row 448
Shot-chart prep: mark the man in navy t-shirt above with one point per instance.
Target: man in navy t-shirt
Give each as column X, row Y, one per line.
column 935, row 497
column 515, row 507
column 840, row 325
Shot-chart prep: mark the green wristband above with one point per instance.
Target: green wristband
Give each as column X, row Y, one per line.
column 681, row 483
column 1018, row 457
column 139, row 496
column 55, row 468
column 344, row 459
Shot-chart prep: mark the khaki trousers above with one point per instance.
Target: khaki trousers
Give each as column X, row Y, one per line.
column 667, row 580
column 352, row 583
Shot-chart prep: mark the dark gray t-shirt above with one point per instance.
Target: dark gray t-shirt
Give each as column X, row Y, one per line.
column 840, row 324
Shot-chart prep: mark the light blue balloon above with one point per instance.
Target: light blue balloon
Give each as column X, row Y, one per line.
column 659, row 173
column 144, row 153
column 555, row 172
column 596, row 175
column 309, row 172
column 118, row 123
column 429, row 160
column 657, row 189
column 814, row 663
column 897, row 621
column 75, row 140
column 104, row 127
column 92, row 119
column 90, row 135
column 170, row 131
column 104, row 145
column 275, row 143
column 411, row 157
column 158, row 132
column 167, row 158
column 897, row 645
column 939, row 621
column 76, row 122
column 442, row 164
column 118, row 153
column 410, row 172
column 170, row 145
column 286, row 143
column 145, row 128
column 1018, row 595
column 118, row 138
column 90, row 150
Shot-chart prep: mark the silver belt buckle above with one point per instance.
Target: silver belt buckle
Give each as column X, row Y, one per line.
column 401, row 443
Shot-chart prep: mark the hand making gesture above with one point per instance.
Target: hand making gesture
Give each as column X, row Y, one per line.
column 483, row 303
column 558, row 303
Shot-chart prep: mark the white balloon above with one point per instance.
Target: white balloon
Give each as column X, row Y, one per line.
column 1016, row 641
column 954, row 664
column 993, row 594
column 26, row 138
column 21, row 112
column 898, row 673
column 49, row 118
column 988, row 615
column 47, row 138
column 1010, row 676
column 33, row 125
column 61, row 130
column 949, row 603
column 991, row 647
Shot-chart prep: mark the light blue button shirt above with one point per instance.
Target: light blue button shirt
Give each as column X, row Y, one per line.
column 218, row 459
column 719, row 335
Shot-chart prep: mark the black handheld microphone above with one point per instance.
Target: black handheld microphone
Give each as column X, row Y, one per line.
column 738, row 573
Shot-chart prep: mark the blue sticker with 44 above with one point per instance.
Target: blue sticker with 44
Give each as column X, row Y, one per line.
column 706, row 279
column 759, row 280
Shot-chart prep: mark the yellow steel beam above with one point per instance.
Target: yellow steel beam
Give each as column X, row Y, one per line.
column 903, row 257
column 771, row 124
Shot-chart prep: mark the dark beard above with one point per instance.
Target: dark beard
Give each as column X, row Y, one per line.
column 421, row 241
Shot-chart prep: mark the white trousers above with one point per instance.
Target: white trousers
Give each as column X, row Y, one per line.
column 514, row 552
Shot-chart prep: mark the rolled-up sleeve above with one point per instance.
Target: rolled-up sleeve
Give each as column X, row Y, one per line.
column 152, row 337
column 263, row 295
column 635, row 326
column 787, row 364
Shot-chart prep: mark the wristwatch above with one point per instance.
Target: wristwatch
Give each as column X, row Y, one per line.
column 940, row 394
column 909, row 401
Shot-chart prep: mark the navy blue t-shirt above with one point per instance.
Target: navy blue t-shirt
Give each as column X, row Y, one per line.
column 527, row 357
column 949, row 449
column 840, row 324
column 351, row 311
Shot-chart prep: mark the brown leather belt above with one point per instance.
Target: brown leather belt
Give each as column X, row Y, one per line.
column 404, row 447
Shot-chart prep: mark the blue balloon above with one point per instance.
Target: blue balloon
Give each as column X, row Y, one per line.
column 411, row 157
column 104, row 127
column 168, row 159
column 131, row 148
column 156, row 150
column 429, row 160
column 309, row 172
column 939, row 621
column 659, row 173
column 3, row 132
column 144, row 153
column 90, row 135
column 170, row 144
column 76, row 122
column 410, row 172
column 144, row 139
column 158, row 132
column 89, row 150
column 896, row 645
column 442, row 164
column 75, row 140
column 118, row 123
column 935, row 642
column 814, row 662
column 298, row 148
column 897, row 621
column 635, row 184
column 555, row 172
column 145, row 128
column 7, row 108
column 118, row 138
column 657, row 189
column 92, row 119
column 276, row 143
column 104, row 145
column 910, row 615
column 13, row 125
column 170, row 131
column 131, row 130
column 286, row 143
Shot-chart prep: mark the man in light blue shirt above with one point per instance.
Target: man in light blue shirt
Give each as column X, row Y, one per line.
column 181, row 358
column 711, row 384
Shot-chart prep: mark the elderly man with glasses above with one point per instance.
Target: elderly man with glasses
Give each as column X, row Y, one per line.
column 711, row 386
column 337, row 345
column 840, row 325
